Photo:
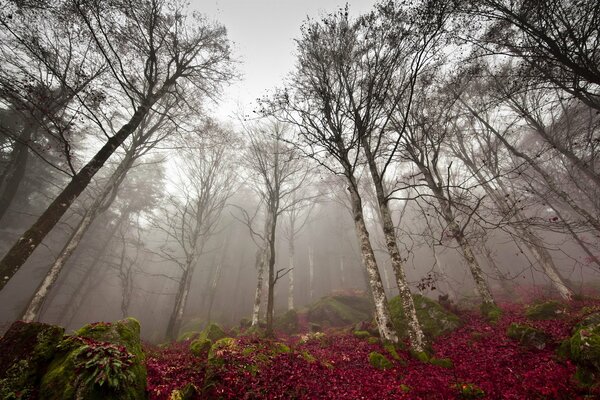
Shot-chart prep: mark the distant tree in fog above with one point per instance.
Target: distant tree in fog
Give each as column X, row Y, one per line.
column 147, row 62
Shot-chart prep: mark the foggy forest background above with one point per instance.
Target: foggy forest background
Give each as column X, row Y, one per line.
column 473, row 125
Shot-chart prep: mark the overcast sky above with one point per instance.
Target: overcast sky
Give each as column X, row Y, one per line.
column 263, row 32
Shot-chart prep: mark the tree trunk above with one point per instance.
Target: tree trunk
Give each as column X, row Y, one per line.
column 15, row 171
column 382, row 314
column 292, row 251
column 36, row 303
column 260, row 261
column 415, row 332
column 26, row 244
column 271, row 282
column 457, row 233
column 311, row 274
column 90, row 272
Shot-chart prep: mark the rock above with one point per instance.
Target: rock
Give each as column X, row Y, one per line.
column 528, row 336
column 200, row 346
column 491, row 312
column 191, row 329
column 26, row 350
column 434, row 319
column 548, row 310
column 379, row 361
column 188, row 392
column 361, row 334
column 287, row 323
column 314, row 328
column 212, row 332
column 340, row 310
column 100, row 361
column 583, row 347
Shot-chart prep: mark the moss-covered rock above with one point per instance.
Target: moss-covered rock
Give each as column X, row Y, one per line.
column 379, row 361
column 583, row 347
column 200, row 346
column 441, row 362
column 340, row 310
column 26, row 349
column 190, row 329
column 99, row 361
column 212, row 332
column 361, row 334
column 528, row 335
column 547, row 310
column 287, row 322
column 491, row 312
column 434, row 319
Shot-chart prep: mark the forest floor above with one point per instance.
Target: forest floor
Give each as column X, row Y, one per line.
column 485, row 362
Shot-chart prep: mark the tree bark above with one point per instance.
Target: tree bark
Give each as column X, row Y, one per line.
column 311, row 273
column 382, row 314
column 26, row 244
column 292, row 251
column 99, row 205
column 260, row 261
column 457, row 234
column 415, row 332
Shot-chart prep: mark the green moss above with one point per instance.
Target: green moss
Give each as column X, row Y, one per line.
column 391, row 350
column 340, row 310
column 405, row 388
column 224, row 344
column 200, row 346
column 373, row 340
column 26, row 349
column 361, row 334
column 379, row 361
column 190, row 329
column 307, row 356
column 441, row 362
column 434, row 319
column 491, row 312
column 188, row 335
column 548, row 310
column 468, row 390
column 528, row 335
column 64, row 379
column 420, row 355
column 213, row 332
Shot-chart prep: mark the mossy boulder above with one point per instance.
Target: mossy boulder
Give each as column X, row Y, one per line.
column 25, row 352
column 340, row 310
column 200, row 346
column 547, row 310
column 583, row 347
column 100, row 361
column 379, row 361
column 491, row 312
column 361, row 334
column 212, row 332
column 434, row 319
column 287, row 322
column 190, row 329
column 528, row 336
column 188, row 392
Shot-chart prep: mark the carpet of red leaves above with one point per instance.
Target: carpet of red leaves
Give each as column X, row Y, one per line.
column 481, row 352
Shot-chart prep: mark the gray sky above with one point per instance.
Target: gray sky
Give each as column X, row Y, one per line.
column 263, row 32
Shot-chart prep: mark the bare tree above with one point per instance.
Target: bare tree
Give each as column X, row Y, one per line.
column 277, row 175
column 191, row 216
column 151, row 50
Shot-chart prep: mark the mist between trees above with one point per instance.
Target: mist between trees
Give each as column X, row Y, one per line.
column 441, row 147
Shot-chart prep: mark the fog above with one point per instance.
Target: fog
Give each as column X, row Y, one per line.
column 128, row 197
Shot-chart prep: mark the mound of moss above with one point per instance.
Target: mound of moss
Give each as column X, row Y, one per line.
column 287, row 322
column 583, row 347
column 25, row 352
column 379, row 361
column 190, row 329
column 434, row 319
column 340, row 310
column 100, row 361
column 528, row 335
column 547, row 310
column 212, row 333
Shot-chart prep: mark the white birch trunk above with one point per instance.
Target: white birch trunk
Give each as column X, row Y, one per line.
column 259, row 287
column 311, row 273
